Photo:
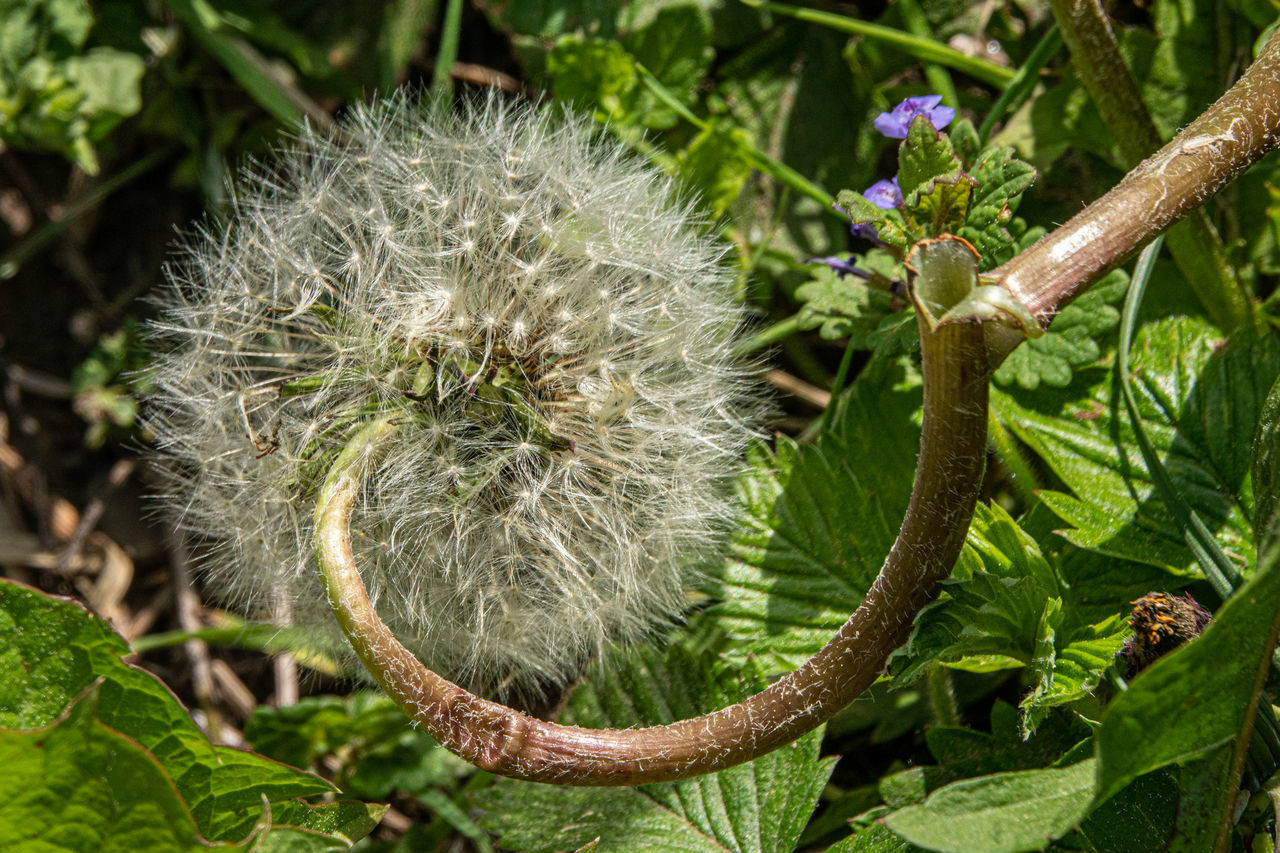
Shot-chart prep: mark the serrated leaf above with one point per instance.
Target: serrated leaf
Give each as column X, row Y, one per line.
column 924, row 155
column 79, row 785
column 990, row 225
column 842, row 307
column 1199, row 401
column 989, row 616
column 1198, row 697
column 1071, row 341
column 889, row 224
column 942, row 204
column 965, row 141
column 1003, row 610
column 716, row 166
column 817, row 522
column 1266, row 469
column 760, row 806
column 51, row 650
column 1004, row 813
column 1069, row 663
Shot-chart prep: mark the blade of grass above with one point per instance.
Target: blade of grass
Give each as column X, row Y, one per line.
column 255, row 637
column 12, row 260
column 924, row 49
column 406, row 23
column 442, row 76
column 1217, row 567
column 246, row 65
column 1024, row 80
column 759, row 160
column 772, row 334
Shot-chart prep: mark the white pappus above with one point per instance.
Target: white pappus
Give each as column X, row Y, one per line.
column 555, row 336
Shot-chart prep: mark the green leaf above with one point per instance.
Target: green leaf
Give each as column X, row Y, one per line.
column 966, row 141
column 1004, row 813
column 943, row 205
column 378, row 750
column 54, row 95
column 924, row 156
column 51, row 650
column 1069, row 662
column 760, row 806
column 1266, row 469
column 1001, row 180
column 1199, row 401
column 716, row 165
column 593, row 73
column 964, row 752
column 1140, row 817
column 79, row 785
column 1071, row 341
column 676, row 48
column 791, row 581
column 889, row 224
column 989, row 619
column 1198, row 697
column 842, row 307
column 873, row 838
column 1003, row 610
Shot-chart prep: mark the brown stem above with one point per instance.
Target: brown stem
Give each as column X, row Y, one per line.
column 505, row 741
column 1194, row 243
column 1231, row 135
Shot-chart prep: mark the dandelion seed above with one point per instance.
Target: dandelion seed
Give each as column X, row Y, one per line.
column 534, row 504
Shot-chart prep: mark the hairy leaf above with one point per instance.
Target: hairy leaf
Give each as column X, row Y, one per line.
column 52, row 650
column 1199, row 401
column 760, row 806
column 1071, row 341
column 1004, row 813
column 79, row 785
column 842, row 307
column 924, row 156
column 817, row 522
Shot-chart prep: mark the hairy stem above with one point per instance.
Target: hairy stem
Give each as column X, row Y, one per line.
column 505, row 741
column 1231, row 135
column 1194, row 243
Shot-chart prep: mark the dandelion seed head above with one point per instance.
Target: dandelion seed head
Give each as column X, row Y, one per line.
column 554, row 336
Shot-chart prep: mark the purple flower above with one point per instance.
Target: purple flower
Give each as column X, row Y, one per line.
column 884, row 194
column 841, row 266
column 894, row 123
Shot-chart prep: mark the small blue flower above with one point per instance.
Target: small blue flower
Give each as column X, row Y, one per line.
column 894, row 123
column 884, row 194
column 841, row 266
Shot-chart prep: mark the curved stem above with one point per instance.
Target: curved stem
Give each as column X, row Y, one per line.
column 1230, row 136
column 505, row 741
